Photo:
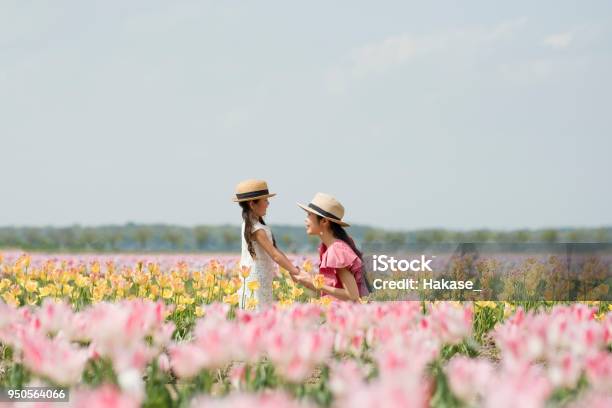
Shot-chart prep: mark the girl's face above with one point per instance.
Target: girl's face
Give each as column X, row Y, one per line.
column 314, row 226
column 259, row 207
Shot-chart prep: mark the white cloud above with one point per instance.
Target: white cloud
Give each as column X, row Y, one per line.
column 508, row 28
column 380, row 56
column 561, row 40
column 541, row 69
column 525, row 71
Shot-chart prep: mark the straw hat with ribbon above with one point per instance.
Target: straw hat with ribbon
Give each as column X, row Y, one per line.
column 248, row 190
column 327, row 207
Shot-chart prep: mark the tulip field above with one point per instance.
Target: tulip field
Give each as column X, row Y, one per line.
column 151, row 330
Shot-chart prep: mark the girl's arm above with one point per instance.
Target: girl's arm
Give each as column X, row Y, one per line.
column 349, row 291
column 276, row 255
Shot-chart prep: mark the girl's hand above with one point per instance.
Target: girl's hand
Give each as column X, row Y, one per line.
column 302, row 276
column 292, row 275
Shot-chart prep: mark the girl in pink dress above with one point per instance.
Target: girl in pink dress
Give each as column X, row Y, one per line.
column 341, row 263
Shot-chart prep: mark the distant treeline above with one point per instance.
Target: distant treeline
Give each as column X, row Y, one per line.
column 226, row 238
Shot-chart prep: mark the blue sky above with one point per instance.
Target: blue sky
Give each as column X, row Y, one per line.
column 414, row 114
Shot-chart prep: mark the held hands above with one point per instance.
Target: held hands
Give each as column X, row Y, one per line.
column 301, row 276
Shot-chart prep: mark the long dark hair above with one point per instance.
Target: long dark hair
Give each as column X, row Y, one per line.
column 248, row 226
column 340, row 233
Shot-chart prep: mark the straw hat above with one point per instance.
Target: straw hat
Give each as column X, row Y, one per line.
column 327, row 207
column 252, row 190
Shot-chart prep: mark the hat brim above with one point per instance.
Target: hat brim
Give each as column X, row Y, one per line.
column 310, row 210
column 253, row 198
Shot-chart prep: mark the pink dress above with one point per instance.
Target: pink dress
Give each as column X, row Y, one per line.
column 340, row 255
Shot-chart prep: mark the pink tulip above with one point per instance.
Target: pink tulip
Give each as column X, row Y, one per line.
column 450, row 323
column 345, row 376
column 187, row 360
column 55, row 359
column 401, row 392
column 269, row 399
column 593, row 399
column 237, row 375
column 599, row 371
column 163, row 362
column 104, row 397
column 469, row 378
column 54, row 316
column 525, row 386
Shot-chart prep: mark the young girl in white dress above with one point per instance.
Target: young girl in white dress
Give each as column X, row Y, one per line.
column 259, row 251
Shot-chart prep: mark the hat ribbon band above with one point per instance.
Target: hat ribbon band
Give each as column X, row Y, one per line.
column 323, row 212
column 251, row 194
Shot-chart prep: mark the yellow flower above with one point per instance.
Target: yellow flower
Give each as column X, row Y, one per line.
column 23, row 261
column 296, row 292
column 229, row 288
column 16, row 290
column 4, row 283
column 151, row 267
column 10, row 299
column 199, row 311
column 1, row 258
column 307, row 265
column 275, row 285
column 251, row 304
column 325, row 300
column 232, row 299
column 209, row 279
column 508, row 310
column 167, row 293
column 178, row 286
column 600, row 316
column 245, row 271
column 47, row 291
column 318, row 281
column 97, row 295
column 81, row 281
column 164, row 281
column 120, row 293
column 253, row 285
column 486, row 304
column 180, row 308
column 285, row 302
column 185, row 300
column 31, row 286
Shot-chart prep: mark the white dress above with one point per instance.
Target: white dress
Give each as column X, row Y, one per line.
column 263, row 268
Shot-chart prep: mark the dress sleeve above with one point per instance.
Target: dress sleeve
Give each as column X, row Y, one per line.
column 256, row 227
column 338, row 256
